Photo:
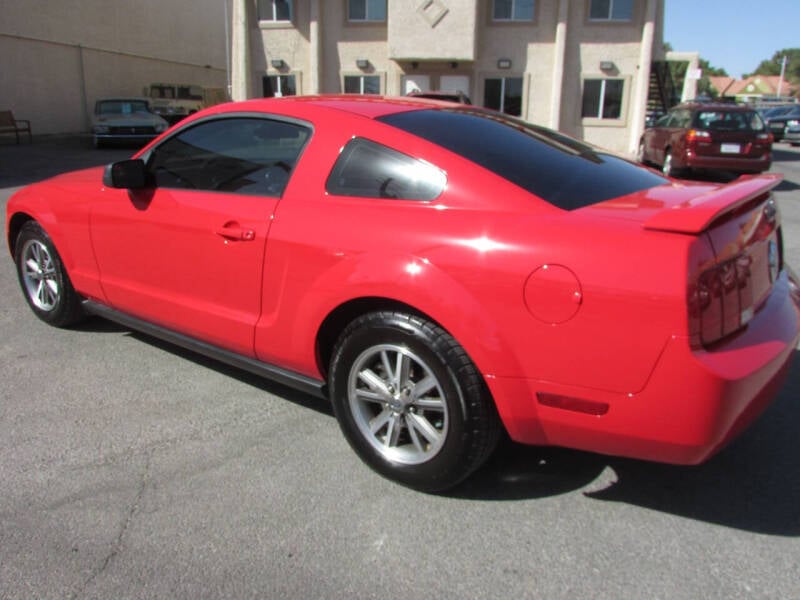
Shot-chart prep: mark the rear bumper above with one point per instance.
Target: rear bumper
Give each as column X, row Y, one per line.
column 694, row 402
column 733, row 163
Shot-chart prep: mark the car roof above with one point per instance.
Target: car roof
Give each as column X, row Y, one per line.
column 370, row 106
column 124, row 99
column 716, row 106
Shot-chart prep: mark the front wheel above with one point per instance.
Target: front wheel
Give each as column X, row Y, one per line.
column 410, row 401
column 43, row 279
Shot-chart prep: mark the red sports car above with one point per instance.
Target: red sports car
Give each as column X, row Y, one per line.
column 439, row 272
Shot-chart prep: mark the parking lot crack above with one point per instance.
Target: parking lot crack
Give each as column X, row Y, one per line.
column 117, row 544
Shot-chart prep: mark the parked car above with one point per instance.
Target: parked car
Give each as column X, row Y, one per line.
column 726, row 137
column 125, row 120
column 792, row 132
column 439, row 273
column 174, row 101
column 773, row 111
column 457, row 97
column 777, row 124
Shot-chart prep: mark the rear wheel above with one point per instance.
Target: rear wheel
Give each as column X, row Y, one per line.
column 640, row 154
column 43, row 279
column 410, row 401
column 668, row 168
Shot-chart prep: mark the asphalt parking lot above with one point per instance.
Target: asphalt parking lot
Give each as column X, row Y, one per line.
column 134, row 469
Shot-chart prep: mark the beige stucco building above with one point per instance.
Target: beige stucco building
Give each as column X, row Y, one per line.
column 59, row 56
column 581, row 66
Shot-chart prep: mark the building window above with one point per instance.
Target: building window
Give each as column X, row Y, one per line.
column 512, row 10
column 279, row 85
column 602, row 98
column 362, row 84
column 504, row 94
column 274, row 10
column 611, row 10
column 366, row 10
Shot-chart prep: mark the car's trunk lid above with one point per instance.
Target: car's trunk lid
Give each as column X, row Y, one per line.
column 739, row 224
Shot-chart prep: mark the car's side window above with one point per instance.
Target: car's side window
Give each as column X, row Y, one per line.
column 662, row 122
column 243, row 155
column 682, row 119
column 370, row 170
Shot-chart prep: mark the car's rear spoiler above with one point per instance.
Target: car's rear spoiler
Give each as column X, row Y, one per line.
column 696, row 215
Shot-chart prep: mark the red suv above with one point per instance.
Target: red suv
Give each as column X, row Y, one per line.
column 727, row 137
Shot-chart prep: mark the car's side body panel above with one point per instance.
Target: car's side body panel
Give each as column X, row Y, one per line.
column 197, row 264
column 61, row 205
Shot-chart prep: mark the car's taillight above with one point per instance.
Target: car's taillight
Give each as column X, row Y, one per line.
column 764, row 138
column 721, row 302
column 698, row 136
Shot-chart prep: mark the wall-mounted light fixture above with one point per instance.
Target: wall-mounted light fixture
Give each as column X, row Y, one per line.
column 504, row 63
column 414, row 64
column 362, row 63
column 277, row 63
column 607, row 65
column 454, row 65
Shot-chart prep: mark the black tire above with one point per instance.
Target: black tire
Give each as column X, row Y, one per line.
column 668, row 168
column 43, row 278
column 439, row 422
column 640, row 154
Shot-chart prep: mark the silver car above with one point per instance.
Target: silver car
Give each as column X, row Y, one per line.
column 125, row 119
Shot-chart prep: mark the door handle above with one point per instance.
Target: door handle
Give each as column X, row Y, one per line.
column 236, row 233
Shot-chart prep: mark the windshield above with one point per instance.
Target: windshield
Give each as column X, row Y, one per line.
column 121, row 107
column 563, row 171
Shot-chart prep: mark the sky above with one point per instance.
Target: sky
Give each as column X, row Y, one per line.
column 735, row 35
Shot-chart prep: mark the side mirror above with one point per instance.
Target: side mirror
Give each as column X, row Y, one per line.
column 126, row 174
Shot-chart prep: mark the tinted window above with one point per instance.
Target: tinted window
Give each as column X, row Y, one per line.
column 563, row 171
column 504, row 94
column 721, row 120
column 611, row 10
column 366, row 10
column 362, row 84
column 512, row 10
column 602, row 98
column 243, row 155
column 371, row 170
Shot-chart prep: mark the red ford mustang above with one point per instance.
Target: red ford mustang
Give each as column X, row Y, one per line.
column 439, row 272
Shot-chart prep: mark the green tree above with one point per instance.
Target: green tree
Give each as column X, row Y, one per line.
column 704, row 87
column 772, row 66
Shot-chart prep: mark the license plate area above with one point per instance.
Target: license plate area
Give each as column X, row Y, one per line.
column 730, row 148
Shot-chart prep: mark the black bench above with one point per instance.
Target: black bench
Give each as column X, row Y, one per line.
column 8, row 124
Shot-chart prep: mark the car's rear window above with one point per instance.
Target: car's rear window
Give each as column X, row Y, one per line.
column 565, row 172
column 727, row 120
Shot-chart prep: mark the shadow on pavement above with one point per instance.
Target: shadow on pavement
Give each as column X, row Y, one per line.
column 754, row 484
column 783, row 155
column 276, row 389
column 25, row 163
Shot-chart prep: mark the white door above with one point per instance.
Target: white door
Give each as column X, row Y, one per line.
column 416, row 83
column 454, row 83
